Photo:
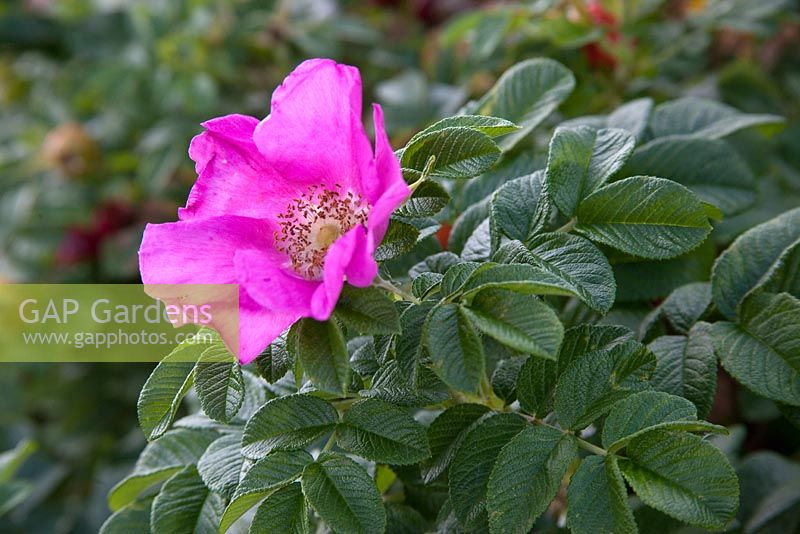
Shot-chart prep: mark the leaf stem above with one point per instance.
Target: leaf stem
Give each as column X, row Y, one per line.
column 425, row 173
column 569, row 226
column 343, row 404
column 388, row 286
column 594, row 449
column 582, row 443
column 487, row 395
column 329, row 444
column 413, row 187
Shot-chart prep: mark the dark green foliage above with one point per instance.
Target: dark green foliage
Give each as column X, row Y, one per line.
column 494, row 388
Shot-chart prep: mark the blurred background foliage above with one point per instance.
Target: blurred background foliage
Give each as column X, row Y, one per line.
column 99, row 99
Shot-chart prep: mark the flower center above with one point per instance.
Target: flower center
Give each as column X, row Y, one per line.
column 313, row 221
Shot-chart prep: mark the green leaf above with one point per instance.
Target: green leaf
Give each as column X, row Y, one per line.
column 580, row 264
column 435, row 263
column 14, row 493
column 10, row 461
column 489, row 33
column 460, row 152
column 287, row 423
column 283, row 511
column 537, row 378
column 159, row 460
column 400, row 238
column 185, row 505
column 402, row 519
column 273, row 363
column 760, row 475
column 456, row 276
column 649, row 410
column 392, row 385
column 632, row 116
column 504, row 378
column 410, row 344
column 582, row 339
column 595, row 381
column 751, row 259
column 581, row 159
column 472, row 465
column 219, row 383
column 663, row 467
column 663, row 276
column 367, row 310
column 686, row 305
column 701, row 118
column 519, row 208
column 763, row 350
column 565, row 33
column 427, row 227
column 598, row 499
column 713, row 170
column 323, row 354
column 255, row 396
column 466, row 224
column 344, row 495
column 526, row 94
column 644, row 216
column 383, row 433
column 783, row 277
column 364, row 355
column 428, row 199
column 522, row 322
column 479, row 245
column 523, row 279
column 164, row 390
column 446, row 434
column 220, row 465
column 271, row 472
column 780, row 502
column 133, row 517
column 536, row 382
column 642, row 411
column 491, row 126
column 425, row 284
column 526, row 477
column 454, row 347
column 687, row 367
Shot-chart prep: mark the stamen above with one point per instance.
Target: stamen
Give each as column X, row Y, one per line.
column 313, row 221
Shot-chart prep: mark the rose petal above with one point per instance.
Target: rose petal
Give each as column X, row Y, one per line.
column 233, row 177
column 362, row 268
column 314, row 130
column 258, row 327
column 336, row 261
column 389, row 189
column 202, row 252
column 271, row 285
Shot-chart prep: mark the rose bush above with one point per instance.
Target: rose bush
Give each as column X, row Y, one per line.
column 502, row 384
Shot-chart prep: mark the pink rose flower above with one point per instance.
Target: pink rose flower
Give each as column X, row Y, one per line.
column 288, row 207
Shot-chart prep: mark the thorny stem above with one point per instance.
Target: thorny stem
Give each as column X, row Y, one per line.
column 388, row 286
